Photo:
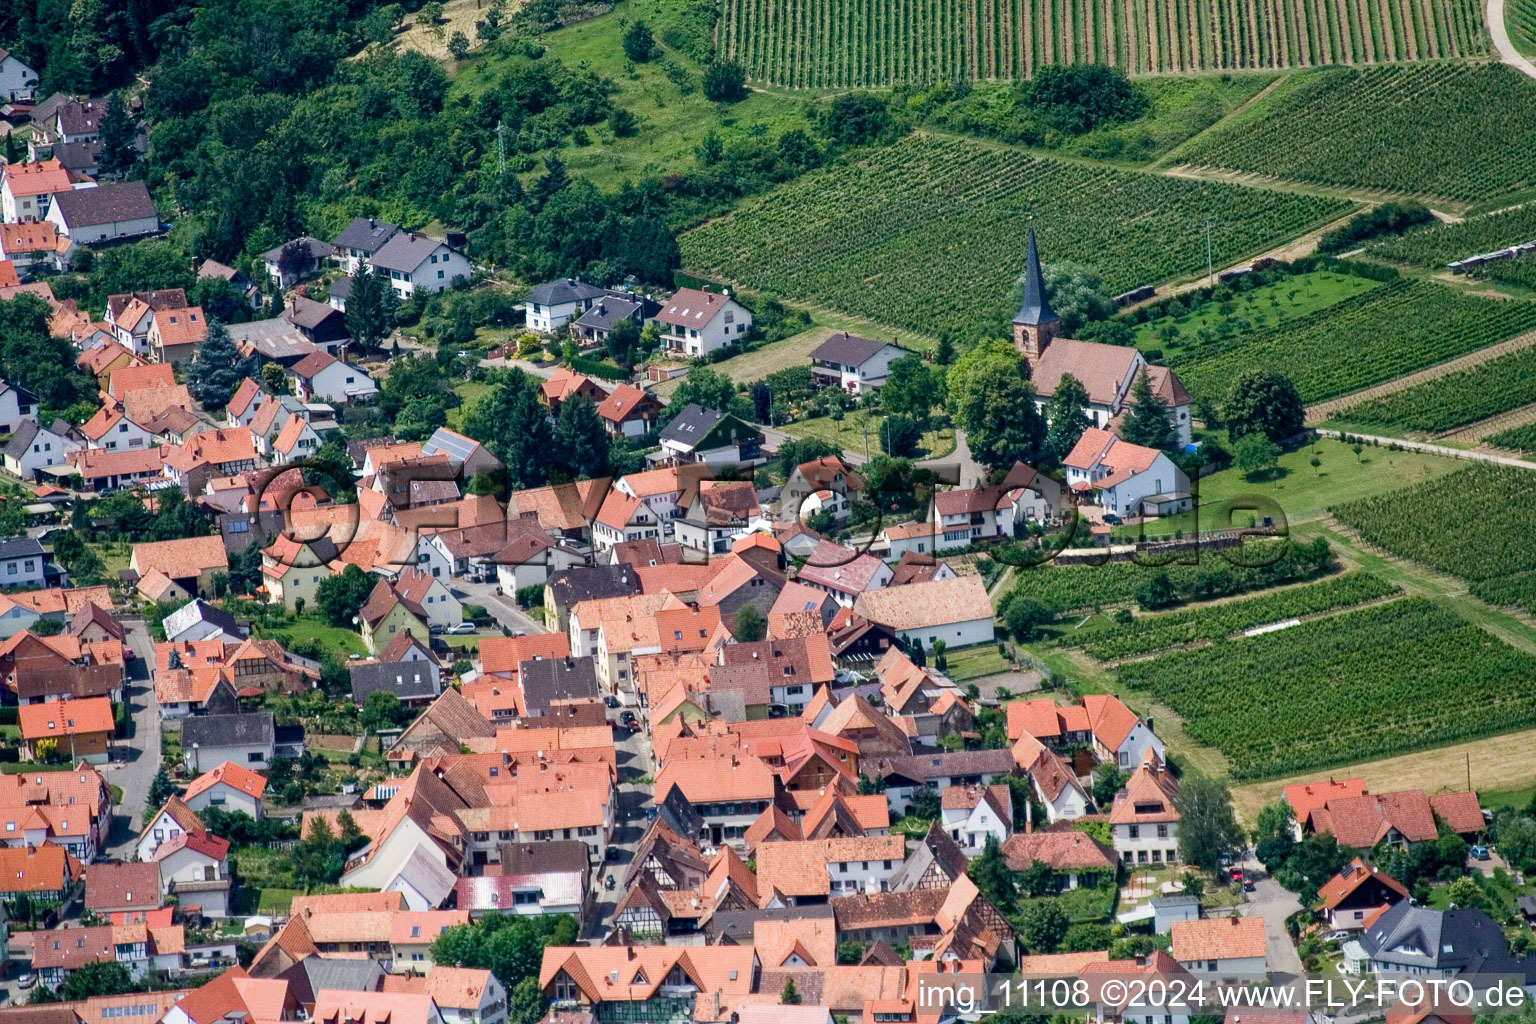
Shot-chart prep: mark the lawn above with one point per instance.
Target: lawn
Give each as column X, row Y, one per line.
column 114, row 555
column 976, row 662
column 672, row 122
column 342, row 642
column 470, row 391
column 849, row 434
column 1270, row 304
column 1304, row 493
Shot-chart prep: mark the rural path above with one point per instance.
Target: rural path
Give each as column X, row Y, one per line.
column 1486, row 428
column 1501, row 42
column 1438, row 449
column 1323, row 410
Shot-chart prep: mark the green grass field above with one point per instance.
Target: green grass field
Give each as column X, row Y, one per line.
column 1271, row 304
column 672, row 122
column 470, row 391
column 342, row 642
column 849, row 433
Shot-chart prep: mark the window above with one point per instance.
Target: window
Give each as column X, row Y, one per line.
column 253, row 758
column 1162, row 831
column 1134, row 831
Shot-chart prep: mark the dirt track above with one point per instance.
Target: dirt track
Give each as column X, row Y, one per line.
column 1323, row 410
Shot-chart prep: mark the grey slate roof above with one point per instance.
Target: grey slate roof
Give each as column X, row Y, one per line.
column 341, row 289
column 566, row 289
column 408, row 680
column 21, row 438
column 318, row 248
column 691, row 425
column 848, row 349
column 20, row 547
column 553, row 679
column 104, row 204
column 314, row 973
column 569, row 587
column 1036, row 308
column 302, row 312
column 365, row 235
column 936, row 847
column 552, row 855
column 254, row 729
column 1408, row 935
column 606, row 312
column 405, row 252
column 427, row 876
column 77, row 156
column 80, row 117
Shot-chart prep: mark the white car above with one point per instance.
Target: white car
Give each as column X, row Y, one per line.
column 460, row 628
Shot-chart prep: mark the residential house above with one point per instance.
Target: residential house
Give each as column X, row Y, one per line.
column 956, row 611
column 567, row 588
column 69, row 808
column 1410, row 939
column 972, row 515
column 842, row 572
column 110, row 430
column 1356, row 893
column 467, row 996
column 44, row 874
column 336, row 1006
column 709, row 436
column 1227, row 947
column 592, row 327
column 27, row 189
column 83, row 727
column 405, row 669
column 1125, row 479
column 246, row 739
column 292, row 571
column 551, row 306
column 224, row 451
column 106, row 471
column 169, row 822
column 718, row 512
column 444, row 725
column 411, row 260
column 105, row 213
column 31, row 245
column 707, row 983
column 137, row 947
column 802, row 494
column 1119, row 736
column 696, row 323
column 1076, row 859
column 22, row 563
column 175, row 334
column 321, row 324
column 726, row 791
column 792, row 873
column 564, row 385
column 615, row 631
column 1053, row 780
column 33, row 447
column 794, row 667
column 1397, row 819
column 321, row 375
column 629, row 411
column 1058, row 726
column 199, row 620
column 130, row 314
column 214, row 270
column 190, row 563
column 194, row 868
column 359, row 240
column 937, row 771
column 853, row 364
column 63, row 667
column 974, row 814
column 297, row 440
column 229, row 787
column 1107, row 372
column 122, row 889
column 411, row 934
column 387, row 612
column 18, row 82
column 468, row 457
column 274, row 340
column 308, row 255
column 1144, row 821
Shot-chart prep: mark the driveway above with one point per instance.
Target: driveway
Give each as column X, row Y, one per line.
column 971, row 473
column 1274, row 903
column 503, row 609
column 134, row 774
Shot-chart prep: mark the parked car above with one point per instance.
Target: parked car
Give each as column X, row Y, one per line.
column 1236, row 874
column 460, row 628
column 1339, row 936
column 1480, row 852
column 26, row 981
column 629, row 721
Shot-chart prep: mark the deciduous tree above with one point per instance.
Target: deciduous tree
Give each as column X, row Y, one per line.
column 1147, row 422
column 1207, row 826
column 1263, row 402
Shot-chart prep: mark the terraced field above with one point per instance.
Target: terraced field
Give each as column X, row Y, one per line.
column 1374, row 337
column 1439, row 130
column 929, row 233
column 1455, row 399
column 819, row 44
column 1435, row 245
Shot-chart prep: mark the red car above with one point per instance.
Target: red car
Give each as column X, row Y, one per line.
column 1236, row 874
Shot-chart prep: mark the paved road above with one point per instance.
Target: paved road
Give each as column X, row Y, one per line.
column 972, row 473
column 134, row 775
column 1506, row 49
column 1439, row 449
column 503, row 609
column 1274, row 904
column 635, row 799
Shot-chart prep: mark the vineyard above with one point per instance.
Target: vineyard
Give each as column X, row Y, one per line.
column 928, row 234
column 1476, row 523
column 1434, row 129
column 1455, row 399
column 1066, row 588
column 1520, row 20
column 1437, row 244
column 1353, row 687
column 1521, row 439
column 822, row 44
column 1384, row 333
column 1520, row 271
column 1177, row 629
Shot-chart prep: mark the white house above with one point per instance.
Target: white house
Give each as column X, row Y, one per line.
column 17, row 80
column 228, row 787
column 852, row 363
column 21, row 562
column 26, row 190
column 432, row 594
column 1225, row 947
column 1124, row 478
column 413, row 261
column 966, row 516
column 973, row 814
column 16, row 404
column 297, row 440
column 1055, row 784
column 1144, row 823
column 169, row 822
column 32, row 447
column 109, row 430
column 956, row 611
column 106, row 212
column 321, row 375
column 195, row 868
column 552, row 305
column 1119, row 737
column 249, row 740
column 359, row 240
column 467, row 996
column 696, row 323
column 313, row 252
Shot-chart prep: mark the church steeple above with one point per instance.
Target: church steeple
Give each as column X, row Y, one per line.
column 1036, row 324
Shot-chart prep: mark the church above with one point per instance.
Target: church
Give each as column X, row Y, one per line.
column 1108, row 372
